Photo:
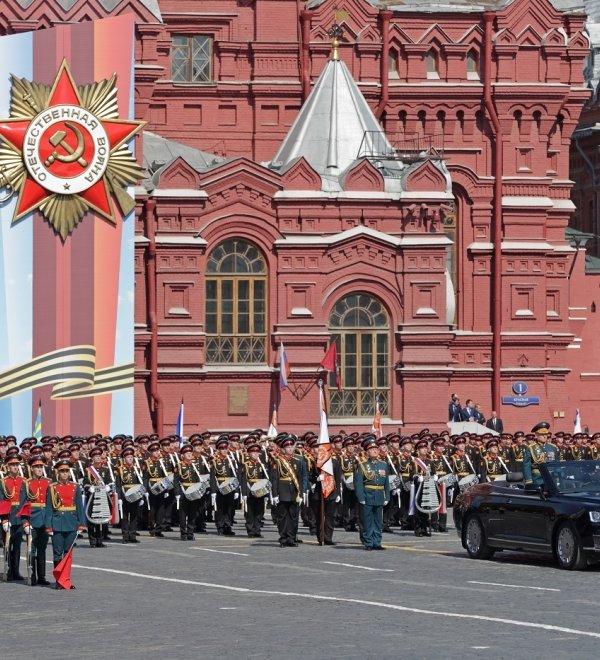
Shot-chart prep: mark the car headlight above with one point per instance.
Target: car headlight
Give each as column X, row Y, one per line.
column 594, row 516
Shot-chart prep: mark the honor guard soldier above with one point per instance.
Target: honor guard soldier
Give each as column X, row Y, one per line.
column 287, row 479
column 405, row 467
column 156, row 472
column 36, row 490
column 224, row 486
column 129, row 476
column 64, row 512
column 253, row 472
column 492, row 464
column 323, row 507
column 421, row 466
column 539, row 451
column 187, row 482
column 442, row 467
column 373, row 493
column 12, row 490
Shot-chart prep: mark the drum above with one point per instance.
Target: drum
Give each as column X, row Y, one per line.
column 467, row 482
column 166, row 483
column 349, row 481
column 135, row 493
column 394, row 480
column 260, row 488
column 228, row 486
column 197, row 491
column 448, row 479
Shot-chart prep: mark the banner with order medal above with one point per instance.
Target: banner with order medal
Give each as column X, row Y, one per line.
column 67, row 228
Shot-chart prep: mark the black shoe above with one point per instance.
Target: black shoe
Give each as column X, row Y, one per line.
column 378, row 547
column 72, row 586
column 368, row 547
column 283, row 545
column 57, row 587
column 330, row 543
column 190, row 537
column 259, row 536
column 160, row 535
column 134, row 540
column 101, row 545
column 298, row 541
column 42, row 582
column 292, row 544
column 201, row 531
column 168, row 529
column 18, row 577
column 388, row 530
column 33, row 581
column 442, row 531
column 125, row 541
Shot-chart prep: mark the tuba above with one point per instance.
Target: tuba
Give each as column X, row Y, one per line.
column 98, row 510
column 427, row 497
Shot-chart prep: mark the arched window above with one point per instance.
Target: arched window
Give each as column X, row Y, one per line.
column 432, row 64
column 393, row 68
column 236, row 304
column 472, row 65
column 360, row 326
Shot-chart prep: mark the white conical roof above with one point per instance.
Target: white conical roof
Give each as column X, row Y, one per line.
column 331, row 125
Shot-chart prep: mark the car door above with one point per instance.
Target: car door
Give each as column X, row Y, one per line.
column 528, row 518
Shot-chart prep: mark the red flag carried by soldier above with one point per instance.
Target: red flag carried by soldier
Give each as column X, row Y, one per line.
column 62, row 572
column 330, row 362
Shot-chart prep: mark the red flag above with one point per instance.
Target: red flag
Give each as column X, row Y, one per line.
column 330, row 362
column 25, row 510
column 4, row 507
column 62, row 572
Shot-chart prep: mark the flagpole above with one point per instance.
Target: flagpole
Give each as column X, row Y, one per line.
column 322, row 535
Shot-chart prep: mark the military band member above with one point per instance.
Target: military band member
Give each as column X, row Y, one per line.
column 350, row 510
column 442, row 467
column 202, row 458
column 420, row 469
column 539, row 451
column 156, row 471
column 96, row 475
column 64, row 512
column 287, row 480
column 36, row 490
column 187, row 475
column 492, row 465
column 223, row 470
column 405, row 467
column 373, row 493
column 127, row 476
column 323, row 511
column 12, row 490
column 253, row 470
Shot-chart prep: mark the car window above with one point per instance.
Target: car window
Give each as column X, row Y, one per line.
column 575, row 476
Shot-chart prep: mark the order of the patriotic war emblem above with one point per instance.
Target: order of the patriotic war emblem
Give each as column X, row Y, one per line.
column 64, row 151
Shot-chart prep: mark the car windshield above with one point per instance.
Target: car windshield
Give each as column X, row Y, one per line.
column 575, row 476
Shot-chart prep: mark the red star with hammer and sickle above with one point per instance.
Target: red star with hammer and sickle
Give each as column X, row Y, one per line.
column 64, row 92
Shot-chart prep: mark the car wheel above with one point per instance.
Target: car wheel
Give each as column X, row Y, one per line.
column 475, row 542
column 567, row 548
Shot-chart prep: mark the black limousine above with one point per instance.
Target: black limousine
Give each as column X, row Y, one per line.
column 560, row 518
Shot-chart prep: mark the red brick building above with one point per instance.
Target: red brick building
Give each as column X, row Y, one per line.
column 409, row 200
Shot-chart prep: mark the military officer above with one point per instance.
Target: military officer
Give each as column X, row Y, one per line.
column 373, row 493
column 156, row 471
column 36, row 489
column 539, row 451
column 97, row 475
column 349, row 501
column 405, row 467
column 64, row 512
column 492, row 465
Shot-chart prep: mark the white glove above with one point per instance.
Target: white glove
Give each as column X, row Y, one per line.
column 338, row 499
column 26, row 530
column 275, row 500
column 50, row 533
column 361, row 502
column 166, row 494
column 435, row 477
column 305, row 498
column 107, row 488
column 213, row 498
column 395, row 491
column 385, row 503
column 312, row 488
column 321, row 477
column 236, row 496
column 5, row 526
column 79, row 533
column 421, row 479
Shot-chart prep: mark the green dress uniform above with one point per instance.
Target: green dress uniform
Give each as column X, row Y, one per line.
column 64, row 516
column 373, row 492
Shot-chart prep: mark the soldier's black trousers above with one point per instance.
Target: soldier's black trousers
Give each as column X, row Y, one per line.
column 255, row 512
column 406, row 520
column 287, row 521
column 329, row 507
column 129, row 523
column 188, row 513
column 94, row 534
column 225, row 512
column 157, row 508
column 349, row 507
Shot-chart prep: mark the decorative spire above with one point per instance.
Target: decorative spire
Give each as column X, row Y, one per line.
column 335, row 33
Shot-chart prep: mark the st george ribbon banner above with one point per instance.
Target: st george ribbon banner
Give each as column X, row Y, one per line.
column 67, row 169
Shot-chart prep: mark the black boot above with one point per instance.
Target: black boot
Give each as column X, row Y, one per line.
column 15, row 558
column 41, row 571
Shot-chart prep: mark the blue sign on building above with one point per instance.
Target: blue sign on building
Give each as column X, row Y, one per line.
column 520, row 400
